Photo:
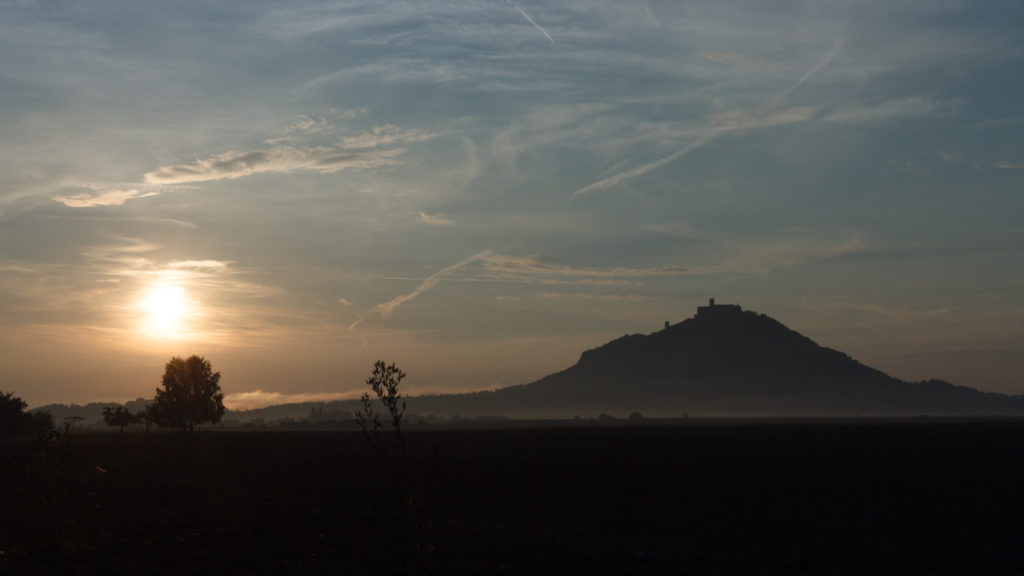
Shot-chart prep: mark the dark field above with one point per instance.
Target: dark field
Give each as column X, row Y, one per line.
column 871, row 497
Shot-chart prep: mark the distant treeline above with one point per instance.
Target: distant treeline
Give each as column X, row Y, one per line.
column 333, row 415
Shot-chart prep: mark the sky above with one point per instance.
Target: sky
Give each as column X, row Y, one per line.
column 479, row 191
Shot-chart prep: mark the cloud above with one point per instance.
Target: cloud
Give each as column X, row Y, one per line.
column 543, row 271
column 386, row 134
column 531, row 21
column 230, row 165
column 889, row 109
column 682, row 230
column 765, row 256
column 127, row 254
column 308, row 125
column 305, row 126
column 755, row 258
column 724, row 57
column 385, row 309
column 589, row 296
column 728, row 121
column 111, row 197
column 743, row 119
column 344, row 302
column 436, row 219
column 199, row 265
column 1009, row 165
column 899, row 313
column 750, row 257
column 16, row 268
column 360, row 152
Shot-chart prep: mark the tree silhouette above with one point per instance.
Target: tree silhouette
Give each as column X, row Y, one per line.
column 190, row 395
column 384, row 381
column 14, row 419
column 12, row 415
column 119, row 416
column 147, row 415
column 369, row 421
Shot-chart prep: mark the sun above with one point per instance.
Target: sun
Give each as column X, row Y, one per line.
column 165, row 306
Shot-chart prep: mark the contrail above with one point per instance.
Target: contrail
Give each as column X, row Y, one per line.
column 530, row 20
column 640, row 170
column 384, row 309
column 836, row 46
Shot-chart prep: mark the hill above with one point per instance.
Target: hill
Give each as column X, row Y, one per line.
column 723, row 361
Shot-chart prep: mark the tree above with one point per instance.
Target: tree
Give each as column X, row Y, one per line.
column 14, row 419
column 119, row 416
column 12, row 413
column 384, row 381
column 190, row 395
column 147, row 415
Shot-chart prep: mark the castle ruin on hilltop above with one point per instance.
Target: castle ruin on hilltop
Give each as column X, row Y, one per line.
column 713, row 308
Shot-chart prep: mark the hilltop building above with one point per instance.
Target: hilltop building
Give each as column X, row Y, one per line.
column 713, row 308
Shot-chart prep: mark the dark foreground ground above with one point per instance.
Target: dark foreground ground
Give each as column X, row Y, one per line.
column 714, row 498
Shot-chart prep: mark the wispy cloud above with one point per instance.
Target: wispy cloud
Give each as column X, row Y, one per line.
column 199, row 265
column 762, row 257
column 110, row 197
column 1002, row 164
column 724, row 57
column 15, row 267
column 887, row 110
column 308, row 125
column 593, row 296
column 741, row 119
column 385, row 309
column 436, row 219
column 726, row 122
column 729, row 121
column 229, row 165
column 531, row 21
column 384, row 135
column 753, row 258
column 535, row 269
column 682, row 230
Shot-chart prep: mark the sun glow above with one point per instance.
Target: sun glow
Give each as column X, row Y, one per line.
column 166, row 309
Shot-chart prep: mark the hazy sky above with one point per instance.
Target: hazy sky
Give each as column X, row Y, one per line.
column 479, row 191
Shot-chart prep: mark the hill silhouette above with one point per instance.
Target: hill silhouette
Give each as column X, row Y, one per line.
column 723, row 361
